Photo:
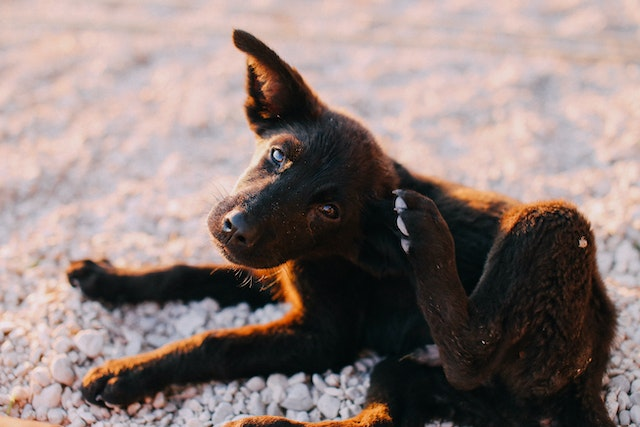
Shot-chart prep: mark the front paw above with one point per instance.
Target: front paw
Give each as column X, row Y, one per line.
column 95, row 279
column 117, row 382
column 423, row 230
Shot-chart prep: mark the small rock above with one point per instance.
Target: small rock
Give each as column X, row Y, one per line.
column 256, row 384
column 194, row 405
column 49, row 397
column 274, row 410
column 62, row 370
column 62, row 345
column 623, row 401
column 333, row 391
column 298, row 398
column 318, row 382
column 159, row 401
column 221, row 413
column 298, row 378
column 134, row 342
column 277, row 380
column 194, row 422
column 56, row 415
column 89, row 342
column 634, row 413
column 255, row 405
column 624, row 418
column 40, row 376
column 133, row 408
column 190, row 322
column 621, row 383
column 328, row 406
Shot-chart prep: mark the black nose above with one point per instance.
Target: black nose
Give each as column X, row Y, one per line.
column 238, row 230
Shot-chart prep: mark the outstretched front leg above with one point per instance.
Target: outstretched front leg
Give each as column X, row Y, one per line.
column 228, row 285
column 538, row 324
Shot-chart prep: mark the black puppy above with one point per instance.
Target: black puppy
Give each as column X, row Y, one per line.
column 509, row 292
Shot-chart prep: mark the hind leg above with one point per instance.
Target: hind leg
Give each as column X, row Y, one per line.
column 539, row 318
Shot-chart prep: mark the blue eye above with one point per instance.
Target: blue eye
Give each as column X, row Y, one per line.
column 277, row 156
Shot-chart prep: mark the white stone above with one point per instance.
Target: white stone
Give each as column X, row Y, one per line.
column 274, row 410
column 89, row 342
column 277, row 380
column 298, row 398
column 40, row 376
column 62, row 344
column 300, row 377
column 328, row 406
column 318, row 382
column 190, row 322
column 624, row 418
column 623, row 401
column 255, row 405
column 134, row 342
column 256, row 384
column 194, row 405
column 621, row 383
column 221, row 413
column 159, row 401
column 56, row 415
column 194, row 422
column 634, row 413
column 62, row 370
column 49, row 397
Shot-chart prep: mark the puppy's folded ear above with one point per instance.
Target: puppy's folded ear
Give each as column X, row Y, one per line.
column 276, row 93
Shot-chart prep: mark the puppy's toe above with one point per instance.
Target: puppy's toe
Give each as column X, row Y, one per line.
column 399, row 205
column 401, row 226
column 405, row 245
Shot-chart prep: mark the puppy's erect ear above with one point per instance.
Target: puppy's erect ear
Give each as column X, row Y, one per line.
column 276, row 93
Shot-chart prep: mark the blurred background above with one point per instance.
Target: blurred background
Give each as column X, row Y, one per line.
column 121, row 123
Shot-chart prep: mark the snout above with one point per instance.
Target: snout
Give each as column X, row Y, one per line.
column 235, row 230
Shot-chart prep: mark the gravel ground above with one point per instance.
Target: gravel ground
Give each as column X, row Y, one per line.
column 121, row 123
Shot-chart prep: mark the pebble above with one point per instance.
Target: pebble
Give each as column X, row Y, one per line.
column 62, row 370
column 223, row 411
column 328, row 406
column 255, row 406
column 40, row 376
column 298, row 398
column 256, row 384
column 624, row 418
column 634, row 413
column 90, row 342
column 620, row 383
column 189, row 323
column 49, row 397
column 56, row 415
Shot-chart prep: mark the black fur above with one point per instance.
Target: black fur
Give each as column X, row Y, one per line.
column 509, row 292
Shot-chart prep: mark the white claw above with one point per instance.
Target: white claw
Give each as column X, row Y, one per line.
column 400, row 204
column 405, row 245
column 402, row 227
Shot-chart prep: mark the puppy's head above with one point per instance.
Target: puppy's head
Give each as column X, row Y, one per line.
column 312, row 173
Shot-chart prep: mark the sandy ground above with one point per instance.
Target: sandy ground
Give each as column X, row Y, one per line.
column 121, row 123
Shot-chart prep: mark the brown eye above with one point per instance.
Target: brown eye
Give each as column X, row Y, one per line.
column 330, row 211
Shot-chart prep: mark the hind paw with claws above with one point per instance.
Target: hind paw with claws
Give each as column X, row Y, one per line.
column 422, row 228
